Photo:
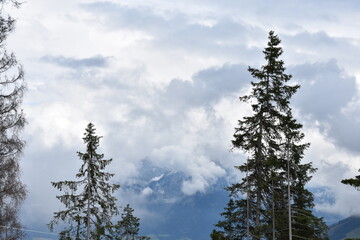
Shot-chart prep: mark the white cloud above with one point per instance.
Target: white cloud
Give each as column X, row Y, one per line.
column 147, row 191
column 168, row 86
column 155, row 179
column 202, row 171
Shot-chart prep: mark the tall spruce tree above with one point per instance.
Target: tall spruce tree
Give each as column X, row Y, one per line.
column 272, row 139
column 89, row 201
column 12, row 121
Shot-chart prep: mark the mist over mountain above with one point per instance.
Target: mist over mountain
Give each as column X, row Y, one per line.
column 174, row 215
column 183, row 216
column 346, row 228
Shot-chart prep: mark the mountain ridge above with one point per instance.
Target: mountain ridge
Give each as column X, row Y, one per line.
column 346, row 228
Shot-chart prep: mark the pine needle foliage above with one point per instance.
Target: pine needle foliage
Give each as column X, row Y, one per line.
column 89, row 201
column 273, row 141
column 128, row 227
column 354, row 182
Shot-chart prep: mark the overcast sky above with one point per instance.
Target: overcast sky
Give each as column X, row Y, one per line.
column 160, row 79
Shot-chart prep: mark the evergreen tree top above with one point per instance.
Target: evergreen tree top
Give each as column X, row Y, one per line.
column 89, row 202
column 90, row 139
column 275, row 177
column 272, row 51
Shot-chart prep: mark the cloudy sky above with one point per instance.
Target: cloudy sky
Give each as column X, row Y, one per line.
column 160, row 79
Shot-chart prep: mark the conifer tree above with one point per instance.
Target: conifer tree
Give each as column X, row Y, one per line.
column 89, row 201
column 217, row 235
column 233, row 224
column 272, row 139
column 354, row 182
column 295, row 174
column 12, row 121
column 128, row 227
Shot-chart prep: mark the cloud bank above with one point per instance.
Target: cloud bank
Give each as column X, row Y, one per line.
column 161, row 82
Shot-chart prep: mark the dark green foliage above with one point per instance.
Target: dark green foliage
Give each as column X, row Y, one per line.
column 261, row 136
column 128, row 227
column 91, row 195
column 354, row 182
column 233, row 224
column 305, row 224
column 272, row 139
column 217, row 235
column 12, row 121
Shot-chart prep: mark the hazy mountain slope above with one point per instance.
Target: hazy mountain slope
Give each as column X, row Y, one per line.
column 346, row 228
column 176, row 216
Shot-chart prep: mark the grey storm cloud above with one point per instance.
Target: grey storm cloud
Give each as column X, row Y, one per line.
column 175, row 30
column 319, row 46
column 311, row 39
column 325, row 94
column 204, row 90
column 145, row 119
column 325, row 89
column 149, row 133
column 183, row 124
column 207, row 86
column 120, row 16
column 96, row 61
